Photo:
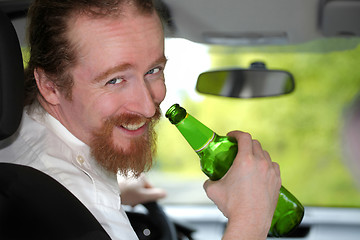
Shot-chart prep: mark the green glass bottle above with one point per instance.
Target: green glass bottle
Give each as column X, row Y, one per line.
column 216, row 156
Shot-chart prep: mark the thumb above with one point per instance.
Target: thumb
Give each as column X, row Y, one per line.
column 206, row 184
column 152, row 194
column 209, row 188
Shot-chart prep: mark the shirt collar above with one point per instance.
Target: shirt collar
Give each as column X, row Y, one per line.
column 38, row 114
column 79, row 148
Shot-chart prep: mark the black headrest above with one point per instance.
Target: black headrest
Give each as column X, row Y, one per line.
column 11, row 78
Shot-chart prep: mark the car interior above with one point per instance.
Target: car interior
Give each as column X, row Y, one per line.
column 35, row 206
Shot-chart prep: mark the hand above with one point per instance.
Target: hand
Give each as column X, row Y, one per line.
column 247, row 195
column 137, row 191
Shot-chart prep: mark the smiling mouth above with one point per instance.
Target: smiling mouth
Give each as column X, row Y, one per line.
column 133, row 126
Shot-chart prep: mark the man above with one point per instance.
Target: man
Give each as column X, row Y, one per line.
column 93, row 89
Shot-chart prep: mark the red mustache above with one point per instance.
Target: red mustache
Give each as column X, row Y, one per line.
column 129, row 118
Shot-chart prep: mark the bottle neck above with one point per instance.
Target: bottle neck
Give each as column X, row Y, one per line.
column 196, row 133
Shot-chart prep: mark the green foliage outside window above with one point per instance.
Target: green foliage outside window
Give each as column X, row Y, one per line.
column 301, row 131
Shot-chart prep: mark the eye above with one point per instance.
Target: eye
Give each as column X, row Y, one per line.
column 116, row 80
column 154, row 70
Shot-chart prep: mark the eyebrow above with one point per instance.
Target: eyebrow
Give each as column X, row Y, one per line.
column 160, row 60
column 124, row 67
column 110, row 71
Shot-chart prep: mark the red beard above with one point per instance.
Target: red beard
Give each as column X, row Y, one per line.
column 137, row 158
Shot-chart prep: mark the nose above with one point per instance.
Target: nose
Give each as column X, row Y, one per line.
column 145, row 99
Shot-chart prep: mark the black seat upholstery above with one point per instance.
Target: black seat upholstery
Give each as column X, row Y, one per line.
column 35, row 206
column 32, row 204
column 11, row 78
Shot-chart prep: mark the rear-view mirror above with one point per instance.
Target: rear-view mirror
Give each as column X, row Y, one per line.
column 255, row 82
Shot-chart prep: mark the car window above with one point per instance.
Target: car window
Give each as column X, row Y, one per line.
column 302, row 131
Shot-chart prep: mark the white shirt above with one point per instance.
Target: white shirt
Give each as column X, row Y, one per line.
column 45, row 144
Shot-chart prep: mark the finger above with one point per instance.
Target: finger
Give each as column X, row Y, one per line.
column 244, row 141
column 275, row 165
column 153, row 194
column 276, row 168
column 267, row 155
column 147, row 184
column 257, row 149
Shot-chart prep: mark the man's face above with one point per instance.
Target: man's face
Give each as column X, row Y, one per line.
column 118, row 80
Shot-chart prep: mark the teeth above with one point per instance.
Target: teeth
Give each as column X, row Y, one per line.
column 133, row 127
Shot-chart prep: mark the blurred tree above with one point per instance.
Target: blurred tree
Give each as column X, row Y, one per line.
column 301, row 131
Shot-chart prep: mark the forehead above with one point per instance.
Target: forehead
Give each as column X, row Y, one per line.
column 125, row 32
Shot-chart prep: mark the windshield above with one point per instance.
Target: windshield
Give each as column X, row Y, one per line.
column 302, row 131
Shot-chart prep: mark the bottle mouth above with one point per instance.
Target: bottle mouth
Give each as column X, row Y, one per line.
column 169, row 112
column 175, row 113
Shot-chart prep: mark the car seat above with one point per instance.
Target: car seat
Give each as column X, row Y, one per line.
column 32, row 204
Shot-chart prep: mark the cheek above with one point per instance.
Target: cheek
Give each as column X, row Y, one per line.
column 158, row 90
column 105, row 106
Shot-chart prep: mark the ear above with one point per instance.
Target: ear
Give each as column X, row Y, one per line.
column 46, row 87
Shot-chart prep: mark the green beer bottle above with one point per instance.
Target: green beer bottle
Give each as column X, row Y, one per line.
column 216, row 156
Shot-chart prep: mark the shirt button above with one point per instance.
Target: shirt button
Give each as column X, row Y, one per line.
column 80, row 159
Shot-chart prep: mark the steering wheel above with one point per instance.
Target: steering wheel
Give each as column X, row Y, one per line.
column 153, row 225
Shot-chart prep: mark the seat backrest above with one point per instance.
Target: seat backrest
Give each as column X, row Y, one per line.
column 32, row 204
column 35, row 206
column 11, row 78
